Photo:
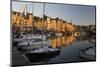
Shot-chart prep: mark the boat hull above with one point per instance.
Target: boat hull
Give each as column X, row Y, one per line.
column 38, row 57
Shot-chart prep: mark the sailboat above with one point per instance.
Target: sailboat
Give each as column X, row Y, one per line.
column 42, row 51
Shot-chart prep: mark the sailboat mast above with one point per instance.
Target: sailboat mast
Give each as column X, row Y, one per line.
column 42, row 32
column 43, row 16
column 32, row 18
column 25, row 18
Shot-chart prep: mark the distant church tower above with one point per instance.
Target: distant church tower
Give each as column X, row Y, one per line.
column 25, row 10
column 24, row 14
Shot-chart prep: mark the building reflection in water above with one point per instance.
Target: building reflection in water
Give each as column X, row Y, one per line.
column 62, row 41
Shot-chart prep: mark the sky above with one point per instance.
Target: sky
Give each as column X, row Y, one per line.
column 78, row 14
column 18, row 6
column 35, row 8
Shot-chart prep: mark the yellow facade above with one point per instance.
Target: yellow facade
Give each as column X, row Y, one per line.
column 48, row 24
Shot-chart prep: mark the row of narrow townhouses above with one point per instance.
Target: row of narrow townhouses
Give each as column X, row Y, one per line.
column 22, row 23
